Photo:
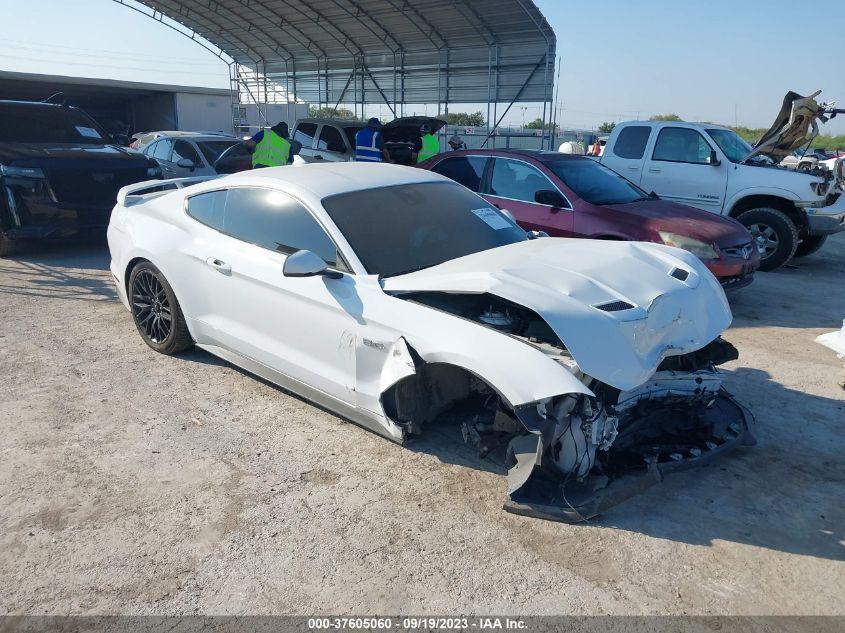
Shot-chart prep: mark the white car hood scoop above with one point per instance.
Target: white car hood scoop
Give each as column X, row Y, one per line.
column 582, row 289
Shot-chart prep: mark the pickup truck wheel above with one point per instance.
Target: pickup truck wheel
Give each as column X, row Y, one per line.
column 7, row 246
column 810, row 245
column 774, row 234
column 156, row 311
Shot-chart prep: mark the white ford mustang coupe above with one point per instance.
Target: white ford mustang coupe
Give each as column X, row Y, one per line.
column 401, row 300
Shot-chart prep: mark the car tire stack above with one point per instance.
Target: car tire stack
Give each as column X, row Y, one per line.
column 774, row 234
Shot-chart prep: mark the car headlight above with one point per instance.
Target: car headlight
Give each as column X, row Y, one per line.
column 700, row 249
column 21, row 172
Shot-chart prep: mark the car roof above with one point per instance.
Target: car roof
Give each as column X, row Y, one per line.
column 536, row 154
column 337, row 122
column 180, row 133
column 328, row 179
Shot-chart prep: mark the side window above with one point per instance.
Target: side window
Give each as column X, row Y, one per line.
column 465, row 170
column 517, row 180
column 275, row 221
column 183, row 149
column 681, row 145
column 631, row 141
column 330, row 140
column 208, row 208
column 304, row 133
column 161, row 150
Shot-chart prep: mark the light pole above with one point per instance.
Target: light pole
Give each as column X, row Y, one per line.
column 523, row 108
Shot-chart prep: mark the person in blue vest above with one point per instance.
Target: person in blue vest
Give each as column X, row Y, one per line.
column 369, row 144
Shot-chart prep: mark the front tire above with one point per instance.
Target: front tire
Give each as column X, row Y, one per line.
column 775, row 235
column 156, row 311
column 810, row 245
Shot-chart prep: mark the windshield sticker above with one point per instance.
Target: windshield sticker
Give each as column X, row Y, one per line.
column 492, row 218
column 87, row 132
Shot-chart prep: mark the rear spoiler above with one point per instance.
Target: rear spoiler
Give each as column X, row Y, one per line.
column 157, row 187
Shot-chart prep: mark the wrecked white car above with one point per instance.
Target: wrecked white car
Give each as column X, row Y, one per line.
column 401, row 300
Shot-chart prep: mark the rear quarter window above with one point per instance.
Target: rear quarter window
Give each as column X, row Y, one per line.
column 465, row 170
column 632, row 141
column 208, row 208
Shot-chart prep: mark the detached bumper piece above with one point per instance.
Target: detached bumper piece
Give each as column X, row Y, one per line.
column 658, row 437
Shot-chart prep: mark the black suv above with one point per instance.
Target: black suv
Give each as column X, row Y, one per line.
column 59, row 173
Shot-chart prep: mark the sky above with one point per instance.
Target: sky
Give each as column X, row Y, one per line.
column 727, row 61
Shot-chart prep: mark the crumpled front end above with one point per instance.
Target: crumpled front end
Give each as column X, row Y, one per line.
column 582, row 455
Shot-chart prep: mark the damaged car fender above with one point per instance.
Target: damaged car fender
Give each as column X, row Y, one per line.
column 519, row 373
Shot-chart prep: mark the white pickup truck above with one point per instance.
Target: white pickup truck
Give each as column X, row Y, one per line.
column 789, row 213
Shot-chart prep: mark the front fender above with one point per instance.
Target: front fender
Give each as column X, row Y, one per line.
column 518, row 371
column 774, row 192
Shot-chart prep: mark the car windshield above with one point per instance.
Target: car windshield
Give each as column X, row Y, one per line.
column 36, row 123
column 732, row 144
column 595, row 183
column 213, row 149
column 404, row 228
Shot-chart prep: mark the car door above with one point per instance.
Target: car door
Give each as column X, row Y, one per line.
column 512, row 185
column 330, row 146
column 161, row 151
column 306, row 133
column 626, row 155
column 680, row 169
column 183, row 153
column 301, row 327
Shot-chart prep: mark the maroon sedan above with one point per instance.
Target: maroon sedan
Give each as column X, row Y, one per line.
column 575, row 196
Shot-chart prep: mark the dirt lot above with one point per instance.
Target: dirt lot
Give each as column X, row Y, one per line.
column 135, row 483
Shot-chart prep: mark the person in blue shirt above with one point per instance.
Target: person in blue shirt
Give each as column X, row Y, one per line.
column 369, row 144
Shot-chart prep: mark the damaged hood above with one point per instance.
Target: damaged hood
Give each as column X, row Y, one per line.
column 616, row 306
column 796, row 125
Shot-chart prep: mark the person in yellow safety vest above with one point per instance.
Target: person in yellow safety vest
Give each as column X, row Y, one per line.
column 271, row 147
column 429, row 145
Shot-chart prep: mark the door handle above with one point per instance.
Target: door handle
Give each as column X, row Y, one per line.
column 653, row 170
column 318, row 157
column 633, row 168
column 219, row 265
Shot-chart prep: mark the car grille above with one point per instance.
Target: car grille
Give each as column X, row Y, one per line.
column 92, row 186
column 743, row 251
column 615, row 306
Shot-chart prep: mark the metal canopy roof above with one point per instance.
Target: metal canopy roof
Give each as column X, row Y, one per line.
column 380, row 51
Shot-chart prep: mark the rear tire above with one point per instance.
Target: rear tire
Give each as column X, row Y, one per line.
column 810, row 245
column 156, row 311
column 775, row 235
column 7, row 246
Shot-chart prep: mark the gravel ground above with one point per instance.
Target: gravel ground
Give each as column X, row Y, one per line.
column 139, row 484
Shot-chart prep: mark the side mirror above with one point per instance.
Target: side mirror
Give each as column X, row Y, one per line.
column 307, row 264
column 550, row 198
column 186, row 163
column 714, row 159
